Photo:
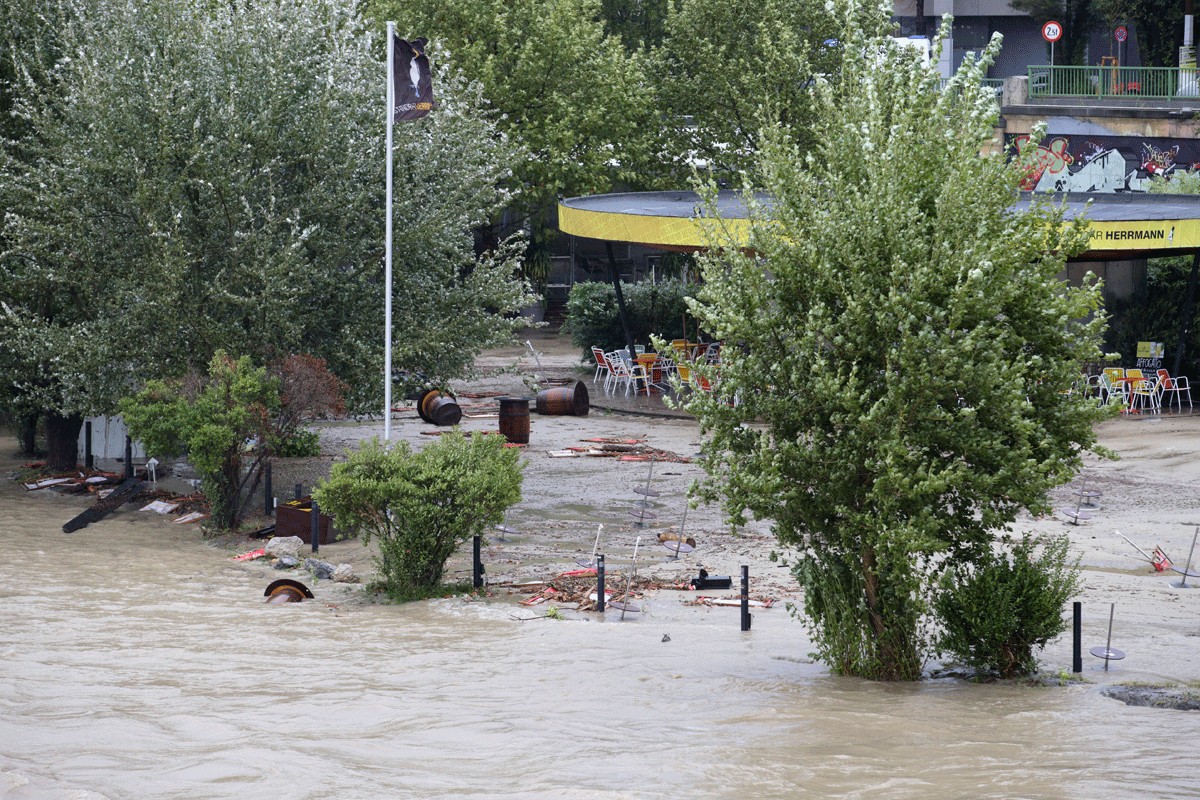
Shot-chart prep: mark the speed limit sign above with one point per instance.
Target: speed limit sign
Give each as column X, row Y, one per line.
column 1052, row 31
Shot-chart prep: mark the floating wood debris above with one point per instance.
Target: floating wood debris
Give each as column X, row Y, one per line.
column 124, row 493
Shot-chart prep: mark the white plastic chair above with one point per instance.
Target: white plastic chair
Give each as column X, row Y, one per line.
column 601, row 364
column 1177, row 386
column 630, row 372
column 1143, row 396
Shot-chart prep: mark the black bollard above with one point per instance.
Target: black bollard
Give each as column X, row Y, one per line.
column 268, row 491
column 476, row 562
column 128, row 457
column 600, row 583
column 299, row 490
column 89, row 460
column 1077, row 650
column 316, row 526
column 745, row 597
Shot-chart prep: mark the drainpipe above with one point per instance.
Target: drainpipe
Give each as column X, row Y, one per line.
column 1185, row 316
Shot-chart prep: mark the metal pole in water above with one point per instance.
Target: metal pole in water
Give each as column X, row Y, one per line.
column 476, row 562
column 89, row 460
column 745, row 597
column 600, row 582
column 632, row 576
column 1112, row 607
column 1077, row 650
column 316, row 525
column 268, row 491
column 1188, row 567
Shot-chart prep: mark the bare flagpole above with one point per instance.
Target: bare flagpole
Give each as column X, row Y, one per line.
column 387, row 244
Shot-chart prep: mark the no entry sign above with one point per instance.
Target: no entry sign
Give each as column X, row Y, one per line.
column 1052, row 31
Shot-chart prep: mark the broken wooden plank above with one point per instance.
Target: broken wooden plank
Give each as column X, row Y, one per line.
column 127, row 491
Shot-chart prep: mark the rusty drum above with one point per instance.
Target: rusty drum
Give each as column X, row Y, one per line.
column 514, row 419
column 564, row 400
column 438, row 408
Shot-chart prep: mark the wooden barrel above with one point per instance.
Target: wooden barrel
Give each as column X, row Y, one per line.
column 514, row 419
column 438, row 408
column 572, row 400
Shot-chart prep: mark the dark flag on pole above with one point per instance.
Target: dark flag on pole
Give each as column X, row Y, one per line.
column 412, row 82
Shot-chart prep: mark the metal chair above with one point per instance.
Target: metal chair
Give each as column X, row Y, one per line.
column 601, row 364
column 1177, row 386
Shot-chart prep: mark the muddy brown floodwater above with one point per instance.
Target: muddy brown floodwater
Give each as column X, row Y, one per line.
column 136, row 662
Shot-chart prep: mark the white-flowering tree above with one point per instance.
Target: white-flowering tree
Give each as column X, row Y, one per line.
column 728, row 67
column 191, row 177
column 899, row 350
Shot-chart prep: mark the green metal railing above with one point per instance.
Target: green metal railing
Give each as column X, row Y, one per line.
column 1159, row 83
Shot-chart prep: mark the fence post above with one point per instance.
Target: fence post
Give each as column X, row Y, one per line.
column 316, row 526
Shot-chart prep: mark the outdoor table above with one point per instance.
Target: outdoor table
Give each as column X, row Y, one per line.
column 648, row 361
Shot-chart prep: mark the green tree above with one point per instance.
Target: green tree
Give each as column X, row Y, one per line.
column 201, row 176
column 639, row 23
column 731, row 66
column 898, row 349
column 420, row 506
column 572, row 95
column 218, row 422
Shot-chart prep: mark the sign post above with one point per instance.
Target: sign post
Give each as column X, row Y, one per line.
column 1121, row 34
column 1052, row 31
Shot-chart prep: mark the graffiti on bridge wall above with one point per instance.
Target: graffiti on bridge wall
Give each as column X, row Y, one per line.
column 1105, row 163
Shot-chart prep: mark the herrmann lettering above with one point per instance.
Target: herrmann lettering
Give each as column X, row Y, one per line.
column 1121, row 235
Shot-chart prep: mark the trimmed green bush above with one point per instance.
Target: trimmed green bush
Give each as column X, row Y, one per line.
column 422, row 505
column 653, row 309
column 996, row 612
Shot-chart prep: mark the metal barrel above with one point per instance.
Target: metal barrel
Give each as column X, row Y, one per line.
column 564, row 400
column 514, row 419
column 438, row 408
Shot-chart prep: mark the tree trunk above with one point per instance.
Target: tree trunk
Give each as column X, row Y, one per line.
column 27, row 436
column 62, row 441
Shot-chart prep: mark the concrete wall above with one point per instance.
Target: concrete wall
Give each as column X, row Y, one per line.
column 1122, row 279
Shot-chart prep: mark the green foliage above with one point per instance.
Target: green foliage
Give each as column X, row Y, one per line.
column 568, row 92
column 1153, row 315
column 996, row 610
column 300, row 444
column 421, row 505
column 201, row 176
column 218, row 422
column 656, row 309
column 733, row 66
column 900, row 346
column 639, row 23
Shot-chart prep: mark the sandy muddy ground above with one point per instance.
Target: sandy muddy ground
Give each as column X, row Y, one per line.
column 1149, row 494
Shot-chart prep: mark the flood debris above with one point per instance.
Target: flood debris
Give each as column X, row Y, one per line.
column 755, row 601
column 126, row 492
column 286, row 590
column 578, row 587
column 624, row 449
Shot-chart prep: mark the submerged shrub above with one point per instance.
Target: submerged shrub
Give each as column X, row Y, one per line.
column 422, row 505
column 997, row 611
